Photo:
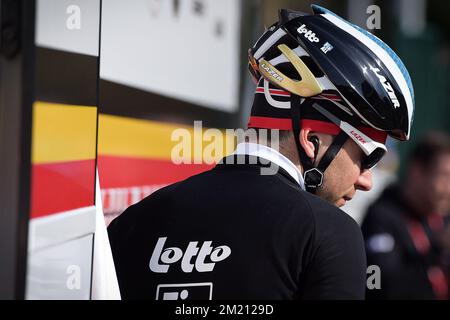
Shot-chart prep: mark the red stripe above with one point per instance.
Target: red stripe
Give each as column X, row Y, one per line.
column 439, row 282
column 316, row 125
column 116, row 200
column 374, row 134
column 331, row 128
column 117, row 171
column 419, row 237
column 320, row 126
column 270, row 123
column 274, row 91
column 59, row 187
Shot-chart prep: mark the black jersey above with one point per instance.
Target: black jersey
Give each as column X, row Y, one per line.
column 237, row 232
column 406, row 248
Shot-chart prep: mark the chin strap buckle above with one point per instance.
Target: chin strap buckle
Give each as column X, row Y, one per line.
column 313, row 178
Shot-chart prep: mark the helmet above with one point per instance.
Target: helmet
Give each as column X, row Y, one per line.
column 343, row 73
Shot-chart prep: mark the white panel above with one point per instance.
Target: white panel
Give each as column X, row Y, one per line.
column 58, row 228
column 105, row 285
column 190, row 52
column 68, row 25
column 61, row 272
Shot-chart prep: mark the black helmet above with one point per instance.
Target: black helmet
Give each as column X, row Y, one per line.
column 351, row 78
column 331, row 56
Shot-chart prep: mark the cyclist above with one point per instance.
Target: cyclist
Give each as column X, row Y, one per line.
column 265, row 223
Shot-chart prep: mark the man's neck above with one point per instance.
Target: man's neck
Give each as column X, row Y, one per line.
column 291, row 153
column 273, row 155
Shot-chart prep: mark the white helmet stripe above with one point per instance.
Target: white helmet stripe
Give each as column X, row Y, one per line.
column 269, row 43
column 367, row 144
column 282, row 58
column 272, row 101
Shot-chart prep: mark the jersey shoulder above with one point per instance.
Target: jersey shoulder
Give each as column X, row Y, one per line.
column 329, row 218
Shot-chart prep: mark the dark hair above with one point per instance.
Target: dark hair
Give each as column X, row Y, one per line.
column 430, row 148
column 282, row 134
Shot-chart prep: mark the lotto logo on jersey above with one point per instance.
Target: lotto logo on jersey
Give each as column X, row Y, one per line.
column 308, row 34
column 206, row 256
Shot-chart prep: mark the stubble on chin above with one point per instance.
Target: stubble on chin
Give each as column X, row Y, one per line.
column 323, row 194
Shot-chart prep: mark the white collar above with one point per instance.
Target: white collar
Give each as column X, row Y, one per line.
column 262, row 151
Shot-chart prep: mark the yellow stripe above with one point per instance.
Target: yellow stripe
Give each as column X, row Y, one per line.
column 121, row 136
column 63, row 132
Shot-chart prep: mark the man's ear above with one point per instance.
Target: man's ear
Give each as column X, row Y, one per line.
column 307, row 145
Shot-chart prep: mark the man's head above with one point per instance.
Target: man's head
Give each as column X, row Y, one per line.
column 339, row 104
column 428, row 175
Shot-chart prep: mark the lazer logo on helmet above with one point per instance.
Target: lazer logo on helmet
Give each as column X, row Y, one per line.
column 387, row 86
column 358, row 137
column 271, row 72
column 308, row 34
column 172, row 255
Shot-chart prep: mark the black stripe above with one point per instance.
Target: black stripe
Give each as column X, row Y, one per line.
column 261, row 108
column 16, row 98
column 24, row 192
column 66, row 77
column 117, row 99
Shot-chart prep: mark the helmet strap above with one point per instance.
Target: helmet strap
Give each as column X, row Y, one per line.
column 313, row 176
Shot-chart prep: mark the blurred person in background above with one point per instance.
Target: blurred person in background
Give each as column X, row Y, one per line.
column 407, row 229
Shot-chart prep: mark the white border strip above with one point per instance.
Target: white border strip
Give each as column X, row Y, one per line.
column 59, row 228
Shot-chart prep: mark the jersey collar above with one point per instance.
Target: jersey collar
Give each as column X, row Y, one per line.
column 272, row 155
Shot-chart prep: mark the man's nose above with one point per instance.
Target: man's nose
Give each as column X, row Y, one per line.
column 364, row 181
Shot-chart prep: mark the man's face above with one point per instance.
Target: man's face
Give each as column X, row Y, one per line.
column 344, row 175
column 435, row 185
